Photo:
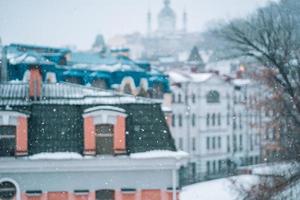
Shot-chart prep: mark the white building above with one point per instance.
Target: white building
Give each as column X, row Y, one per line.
column 212, row 120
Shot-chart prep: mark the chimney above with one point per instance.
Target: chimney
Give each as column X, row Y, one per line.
column 4, row 65
column 35, row 83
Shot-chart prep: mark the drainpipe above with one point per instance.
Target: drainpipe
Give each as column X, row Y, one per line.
column 174, row 181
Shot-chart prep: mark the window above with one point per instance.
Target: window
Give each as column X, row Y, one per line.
column 100, row 83
column 228, row 143
column 193, row 119
column 213, row 119
column 7, row 140
column 7, row 190
column 234, row 142
column 251, row 142
column 213, row 97
column 207, row 143
column 241, row 142
column 193, row 98
column 194, row 144
column 207, row 119
column 74, row 79
column 105, row 195
column 220, row 165
column 180, row 120
column 240, row 121
column 173, row 120
column 173, row 98
column 219, row 142
column 213, row 143
column 179, row 98
column 219, row 119
column 208, row 167
column 104, row 139
column 181, row 143
column 127, row 88
column 158, row 90
column 234, row 121
column 214, row 166
column 228, row 119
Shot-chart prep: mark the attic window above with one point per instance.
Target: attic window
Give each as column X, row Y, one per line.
column 100, row 83
column 104, row 130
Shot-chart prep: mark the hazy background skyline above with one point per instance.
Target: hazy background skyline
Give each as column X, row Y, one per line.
column 77, row 22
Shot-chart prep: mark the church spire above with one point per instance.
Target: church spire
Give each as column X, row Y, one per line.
column 149, row 23
column 184, row 21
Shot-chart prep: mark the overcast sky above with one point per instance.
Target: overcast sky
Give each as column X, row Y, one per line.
column 76, row 22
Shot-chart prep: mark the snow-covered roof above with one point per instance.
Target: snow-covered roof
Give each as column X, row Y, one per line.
column 180, row 77
column 56, row 156
column 28, row 58
column 241, row 82
column 160, row 154
column 286, row 169
column 218, row 189
column 17, row 93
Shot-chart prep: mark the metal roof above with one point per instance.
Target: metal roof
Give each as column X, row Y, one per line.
column 17, row 93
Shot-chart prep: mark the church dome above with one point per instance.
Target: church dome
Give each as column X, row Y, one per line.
column 167, row 11
column 166, row 18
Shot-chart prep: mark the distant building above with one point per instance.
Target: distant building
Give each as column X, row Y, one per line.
column 110, row 69
column 63, row 141
column 213, row 122
column 166, row 40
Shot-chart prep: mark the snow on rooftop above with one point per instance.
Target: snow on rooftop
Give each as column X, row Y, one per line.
column 177, row 77
column 159, row 154
column 219, row 189
column 286, row 169
column 241, row 82
column 200, row 77
column 55, row 156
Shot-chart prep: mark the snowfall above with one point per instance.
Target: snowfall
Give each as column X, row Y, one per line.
column 219, row 189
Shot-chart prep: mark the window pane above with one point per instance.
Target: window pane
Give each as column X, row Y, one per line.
column 7, row 140
column 104, row 139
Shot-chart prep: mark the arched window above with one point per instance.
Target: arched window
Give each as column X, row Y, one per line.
column 213, row 97
column 7, row 190
column 127, row 89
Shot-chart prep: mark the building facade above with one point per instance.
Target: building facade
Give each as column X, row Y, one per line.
column 63, row 141
column 213, row 121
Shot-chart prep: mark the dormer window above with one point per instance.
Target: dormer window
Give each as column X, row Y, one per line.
column 104, row 130
column 7, row 140
column 13, row 133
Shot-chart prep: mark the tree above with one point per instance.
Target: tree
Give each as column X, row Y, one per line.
column 270, row 37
